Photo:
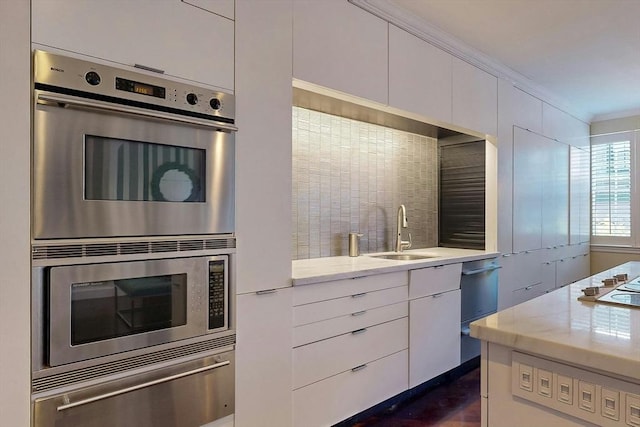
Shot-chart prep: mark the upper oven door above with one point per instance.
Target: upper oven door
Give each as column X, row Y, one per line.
column 106, row 170
column 102, row 309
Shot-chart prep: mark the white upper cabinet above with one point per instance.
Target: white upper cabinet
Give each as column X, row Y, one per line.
column 221, row 7
column 527, row 111
column 180, row 39
column 475, row 98
column 342, row 47
column 559, row 125
column 555, row 194
column 419, row 76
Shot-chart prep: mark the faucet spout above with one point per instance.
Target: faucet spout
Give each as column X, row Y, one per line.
column 402, row 223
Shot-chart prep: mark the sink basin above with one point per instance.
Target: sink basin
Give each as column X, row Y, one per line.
column 402, row 257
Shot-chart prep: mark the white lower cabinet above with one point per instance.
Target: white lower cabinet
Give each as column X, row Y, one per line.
column 350, row 346
column 434, row 335
column 338, row 397
column 263, row 359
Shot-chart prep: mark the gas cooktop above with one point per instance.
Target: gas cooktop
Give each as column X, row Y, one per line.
column 625, row 294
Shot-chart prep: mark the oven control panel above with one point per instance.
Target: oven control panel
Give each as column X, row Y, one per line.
column 77, row 77
column 217, row 295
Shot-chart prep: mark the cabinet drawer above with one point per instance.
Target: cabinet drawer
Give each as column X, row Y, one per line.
column 434, row 280
column 329, row 401
column 315, row 312
column 527, row 293
column 322, row 359
column 306, row 294
column 317, row 331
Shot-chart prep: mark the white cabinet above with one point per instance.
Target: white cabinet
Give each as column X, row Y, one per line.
column 419, row 76
column 434, row 336
column 505, row 166
column 474, row 99
column 263, row 359
column 350, row 346
column 579, row 193
column 519, row 278
column 342, row 47
column 555, row 193
column 220, row 7
column 180, row 39
column 528, row 171
column 527, row 110
column 434, row 322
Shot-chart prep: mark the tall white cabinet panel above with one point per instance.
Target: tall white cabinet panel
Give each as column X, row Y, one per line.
column 555, row 194
column 264, row 360
column 419, row 76
column 579, row 193
column 505, row 165
column 180, row 39
column 528, row 169
column 342, row 47
column 434, row 336
column 264, row 74
column 475, row 98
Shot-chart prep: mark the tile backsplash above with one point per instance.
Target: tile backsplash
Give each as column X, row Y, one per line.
column 351, row 176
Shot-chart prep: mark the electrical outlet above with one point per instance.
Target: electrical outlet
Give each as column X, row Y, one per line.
column 544, row 383
column 526, row 377
column 632, row 409
column 586, row 396
column 564, row 389
column 610, row 404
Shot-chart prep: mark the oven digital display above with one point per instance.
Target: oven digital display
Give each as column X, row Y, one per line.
column 141, row 88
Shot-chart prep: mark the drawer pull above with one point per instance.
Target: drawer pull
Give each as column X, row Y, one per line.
column 359, row 313
column 438, row 266
column 528, row 288
column 438, row 295
column 358, row 295
column 359, row 331
column 359, row 368
column 266, row 292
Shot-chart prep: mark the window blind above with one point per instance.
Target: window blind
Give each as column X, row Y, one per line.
column 611, row 189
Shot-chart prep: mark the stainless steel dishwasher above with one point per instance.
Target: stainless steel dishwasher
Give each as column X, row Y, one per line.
column 479, row 294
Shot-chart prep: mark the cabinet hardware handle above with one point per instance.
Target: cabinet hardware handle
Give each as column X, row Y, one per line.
column 358, row 295
column 490, row 267
column 359, row 331
column 528, row 288
column 357, row 277
column 266, row 291
column 359, row 313
column 506, row 255
column 147, row 68
column 359, row 368
column 438, row 295
column 140, row 386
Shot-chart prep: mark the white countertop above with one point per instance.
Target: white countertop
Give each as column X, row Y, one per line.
column 596, row 335
column 317, row 270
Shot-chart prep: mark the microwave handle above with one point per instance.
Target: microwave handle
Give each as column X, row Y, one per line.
column 140, row 386
column 55, row 99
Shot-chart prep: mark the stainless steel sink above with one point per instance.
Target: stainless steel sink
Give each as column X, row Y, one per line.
column 402, row 257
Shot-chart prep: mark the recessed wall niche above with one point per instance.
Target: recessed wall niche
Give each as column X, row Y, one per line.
column 351, row 176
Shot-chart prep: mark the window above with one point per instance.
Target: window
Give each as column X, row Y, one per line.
column 612, row 189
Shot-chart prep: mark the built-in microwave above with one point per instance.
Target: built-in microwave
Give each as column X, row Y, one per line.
column 89, row 311
column 118, row 153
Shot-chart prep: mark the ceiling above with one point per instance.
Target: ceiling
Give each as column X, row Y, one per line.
column 586, row 52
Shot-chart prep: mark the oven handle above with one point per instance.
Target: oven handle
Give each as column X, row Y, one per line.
column 140, row 386
column 48, row 99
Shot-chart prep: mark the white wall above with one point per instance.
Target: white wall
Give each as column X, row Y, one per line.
column 15, row 140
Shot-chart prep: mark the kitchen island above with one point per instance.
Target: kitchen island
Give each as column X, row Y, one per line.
column 559, row 361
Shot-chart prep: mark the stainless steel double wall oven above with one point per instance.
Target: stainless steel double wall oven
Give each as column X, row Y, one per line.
column 133, row 244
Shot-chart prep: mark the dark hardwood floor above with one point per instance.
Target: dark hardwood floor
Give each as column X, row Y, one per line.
column 453, row 404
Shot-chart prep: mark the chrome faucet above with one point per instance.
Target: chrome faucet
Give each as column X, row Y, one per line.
column 402, row 223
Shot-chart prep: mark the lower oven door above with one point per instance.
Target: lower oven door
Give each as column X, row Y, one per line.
column 186, row 395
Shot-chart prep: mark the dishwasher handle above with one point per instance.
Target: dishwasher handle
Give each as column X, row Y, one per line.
column 491, row 267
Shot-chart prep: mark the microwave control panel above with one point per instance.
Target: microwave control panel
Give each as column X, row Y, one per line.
column 217, row 295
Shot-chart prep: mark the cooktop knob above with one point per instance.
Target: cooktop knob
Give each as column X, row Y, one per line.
column 215, row 103
column 192, row 98
column 92, row 78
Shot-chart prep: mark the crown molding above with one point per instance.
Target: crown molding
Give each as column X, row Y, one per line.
column 389, row 11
